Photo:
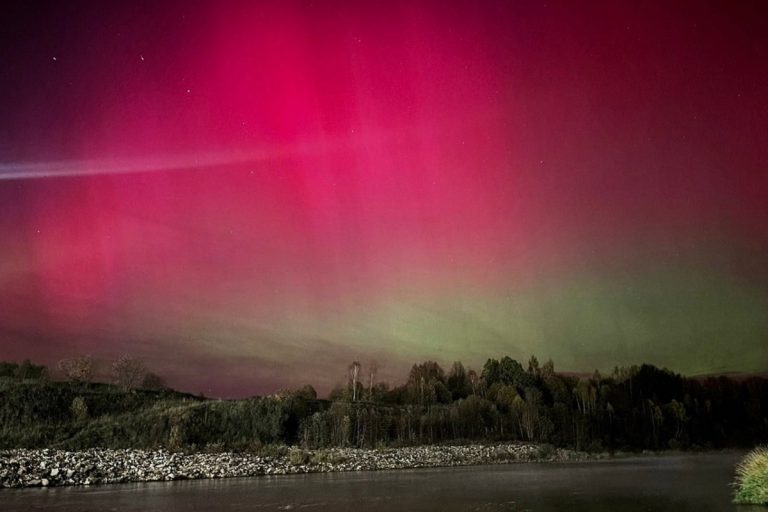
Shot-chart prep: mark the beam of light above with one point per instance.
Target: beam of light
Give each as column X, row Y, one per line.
column 95, row 167
column 25, row 170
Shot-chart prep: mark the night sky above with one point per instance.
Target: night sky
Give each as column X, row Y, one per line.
column 248, row 196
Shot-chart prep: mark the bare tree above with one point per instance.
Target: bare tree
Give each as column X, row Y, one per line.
column 373, row 369
column 354, row 370
column 128, row 372
column 77, row 369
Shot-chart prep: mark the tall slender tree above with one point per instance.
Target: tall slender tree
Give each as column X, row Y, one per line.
column 354, row 371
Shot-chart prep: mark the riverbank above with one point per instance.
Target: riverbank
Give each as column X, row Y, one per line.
column 48, row 468
column 626, row 484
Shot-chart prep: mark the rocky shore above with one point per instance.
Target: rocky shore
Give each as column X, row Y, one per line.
column 46, row 468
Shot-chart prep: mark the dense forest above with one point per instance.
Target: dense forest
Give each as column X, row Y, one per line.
column 634, row 408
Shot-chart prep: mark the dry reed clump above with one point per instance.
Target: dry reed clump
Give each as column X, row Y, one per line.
column 752, row 478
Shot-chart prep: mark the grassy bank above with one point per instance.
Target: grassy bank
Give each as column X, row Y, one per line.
column 752, row 478
column 44, row 414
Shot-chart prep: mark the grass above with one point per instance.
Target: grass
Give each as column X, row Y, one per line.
column 752, row 478
column 45, row 414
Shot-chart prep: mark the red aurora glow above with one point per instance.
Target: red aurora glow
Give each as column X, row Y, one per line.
column 266, row 190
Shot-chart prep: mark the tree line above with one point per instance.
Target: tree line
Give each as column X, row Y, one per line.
column 632, row 408
column 126, row 371
column 635, row 407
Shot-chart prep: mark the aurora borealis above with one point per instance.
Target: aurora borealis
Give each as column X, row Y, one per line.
column 249, row 195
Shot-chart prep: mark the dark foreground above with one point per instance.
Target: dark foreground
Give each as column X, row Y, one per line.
column 699, row 483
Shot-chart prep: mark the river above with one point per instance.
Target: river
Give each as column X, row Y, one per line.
column 699, row 483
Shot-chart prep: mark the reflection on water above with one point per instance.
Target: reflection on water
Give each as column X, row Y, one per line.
column 699, row 483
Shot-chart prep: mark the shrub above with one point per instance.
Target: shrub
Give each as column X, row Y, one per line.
column 328, row 456
column 153, row 381
column 8, row 369
column 547, row 451
column 175, row 438
column 27, row 370
column 214, row 448
column 270, row 450
column 79, row 408
column 77, row 369
column 595, row 446
column 752, row 478
column 298, row 457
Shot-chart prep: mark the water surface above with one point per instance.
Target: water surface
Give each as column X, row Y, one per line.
column 699, row 483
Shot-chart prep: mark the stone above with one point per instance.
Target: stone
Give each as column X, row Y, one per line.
column 95, row 466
